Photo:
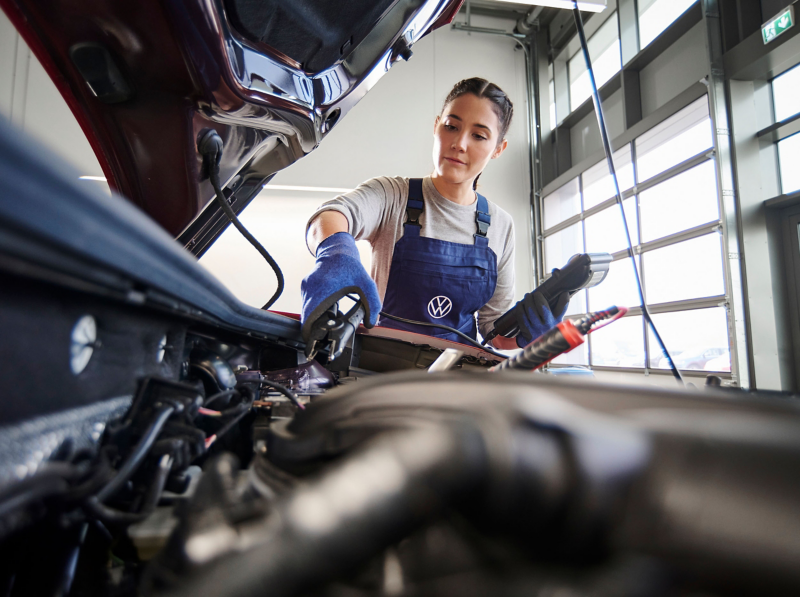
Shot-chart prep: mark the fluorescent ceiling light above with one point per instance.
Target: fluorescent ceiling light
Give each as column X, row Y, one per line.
column 585, row 5
column 280, row 187
column 269, row 187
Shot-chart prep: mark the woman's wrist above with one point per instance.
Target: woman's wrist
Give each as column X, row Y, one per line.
column 504, row 343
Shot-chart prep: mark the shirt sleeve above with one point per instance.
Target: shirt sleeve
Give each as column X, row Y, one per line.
column 503, row 296
column 368, row 207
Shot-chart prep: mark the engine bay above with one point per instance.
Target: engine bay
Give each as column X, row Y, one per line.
column 189, row 459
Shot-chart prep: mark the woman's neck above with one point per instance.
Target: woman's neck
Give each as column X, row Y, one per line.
column 461, row 193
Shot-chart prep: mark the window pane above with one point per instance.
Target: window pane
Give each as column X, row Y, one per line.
column 619, row 288
column 605, row 232
column 680, row 203
column 678, row 138
column 559, row 247
column 695, row 339
column 786, row 93
column 577, row 304
column 553, row 115
column 604, row 49
column 620, row 344
column 562, row 204
column 577, row 356
column 656, row 15
column 687, row 270
column 598, row 184
column 789, row 156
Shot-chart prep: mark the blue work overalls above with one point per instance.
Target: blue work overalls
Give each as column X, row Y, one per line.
column 437, row 281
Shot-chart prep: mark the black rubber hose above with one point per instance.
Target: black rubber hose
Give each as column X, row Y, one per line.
column 394, row 485
column 445, row 327
column 214, row 177
column 137, row 455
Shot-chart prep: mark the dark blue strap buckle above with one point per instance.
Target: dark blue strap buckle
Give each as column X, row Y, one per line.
column 482, row 220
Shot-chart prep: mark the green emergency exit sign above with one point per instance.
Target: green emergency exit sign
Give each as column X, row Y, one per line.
column 774, row 27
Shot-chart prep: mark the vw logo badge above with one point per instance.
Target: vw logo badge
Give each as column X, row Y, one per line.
column 439, row 307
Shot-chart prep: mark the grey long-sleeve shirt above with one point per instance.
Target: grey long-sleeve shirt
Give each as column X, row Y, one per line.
column 376, row 211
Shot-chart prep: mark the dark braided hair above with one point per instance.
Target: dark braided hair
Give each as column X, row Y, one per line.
column 481, row 88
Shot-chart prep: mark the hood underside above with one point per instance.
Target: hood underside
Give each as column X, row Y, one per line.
column 271, row 77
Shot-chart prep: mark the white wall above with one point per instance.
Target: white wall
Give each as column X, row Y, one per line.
column 30, row 100
column 388, row 133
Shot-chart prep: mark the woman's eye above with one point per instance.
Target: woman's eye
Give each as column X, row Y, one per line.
column 449, row 127
column 480, row 137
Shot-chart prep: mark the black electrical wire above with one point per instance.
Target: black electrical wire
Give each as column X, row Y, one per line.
column 230, row 424
column 285, row 391
column 219, row 396
column 445, row 327
column 114, row 517
column 598, row 106
column 223, row 202
column 137, row 455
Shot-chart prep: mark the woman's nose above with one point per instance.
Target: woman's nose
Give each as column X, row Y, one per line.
column 460, row 142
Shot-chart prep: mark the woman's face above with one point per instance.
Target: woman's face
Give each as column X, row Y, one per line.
column 465, row 137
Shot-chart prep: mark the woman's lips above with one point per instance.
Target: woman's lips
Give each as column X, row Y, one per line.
column 455, row 161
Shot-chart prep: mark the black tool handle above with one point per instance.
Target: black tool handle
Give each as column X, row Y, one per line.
column 580, row 272
column 341, row 336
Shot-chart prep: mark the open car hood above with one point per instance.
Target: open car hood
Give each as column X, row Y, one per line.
column 271, row 77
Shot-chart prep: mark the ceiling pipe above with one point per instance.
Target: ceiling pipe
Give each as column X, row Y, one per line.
column 528, row 23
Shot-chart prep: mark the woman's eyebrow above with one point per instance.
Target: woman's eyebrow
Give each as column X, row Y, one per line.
column 483, row 126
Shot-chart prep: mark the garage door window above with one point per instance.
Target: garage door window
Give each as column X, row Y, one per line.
column 671, row 200
column 657, row 15
column 604, row 49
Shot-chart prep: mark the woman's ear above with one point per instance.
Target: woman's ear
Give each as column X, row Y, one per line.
column 435, row 124
column 500, row 149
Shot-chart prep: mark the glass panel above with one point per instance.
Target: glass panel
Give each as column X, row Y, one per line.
column 786, row 94
column 577, row 356
column 680, row 203
column 604, row 49
column 605, row 232
column 562, row 204
column 789, row 156
column 620, row 344
column 619, row 288
column 598, row 184
column 559, row 247
column 675, row 140
column 697, row 340
column 656, row 15
column 577, row 304
column 553, row 115
column 687, row 270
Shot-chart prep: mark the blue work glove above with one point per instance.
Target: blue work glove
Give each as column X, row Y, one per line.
column 534, row 316
column 338, row 272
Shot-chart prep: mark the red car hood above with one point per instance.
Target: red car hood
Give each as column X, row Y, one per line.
column 145, row 78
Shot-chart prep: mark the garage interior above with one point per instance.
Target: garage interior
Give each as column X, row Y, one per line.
column 702, row 112
column 164, row 435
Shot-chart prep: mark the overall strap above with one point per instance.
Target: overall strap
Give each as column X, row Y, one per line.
column 483, row 220
column 414, row 207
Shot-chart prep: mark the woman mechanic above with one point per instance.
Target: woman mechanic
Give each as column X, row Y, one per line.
column 441, row 251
